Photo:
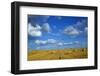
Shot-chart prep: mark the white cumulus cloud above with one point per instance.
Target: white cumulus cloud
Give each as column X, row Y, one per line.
column 71, row 31
column 48, row 41
column 71, row 43
column 40, row 42
column 66, row 43
column 34, row 31
column 46, row 27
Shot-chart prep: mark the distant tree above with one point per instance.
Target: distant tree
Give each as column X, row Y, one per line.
column 59, row 57
column 83, row 49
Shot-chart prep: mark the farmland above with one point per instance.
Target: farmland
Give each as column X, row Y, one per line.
column 71, row 53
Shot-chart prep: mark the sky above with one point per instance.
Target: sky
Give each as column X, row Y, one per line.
column 48, row 32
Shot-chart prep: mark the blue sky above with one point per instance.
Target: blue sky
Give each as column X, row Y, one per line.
column 56, row 32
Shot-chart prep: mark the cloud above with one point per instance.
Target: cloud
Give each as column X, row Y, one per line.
column 85, row 33
column 86, row 29
column 76, row 29
column 80, row 24
column 34, row 31
column 69, row 43
column 38, row 42
column 60, row 44
column 43, row 42
column 52, row 41
column 76, row 42
column 46, row 27
column 71, row 31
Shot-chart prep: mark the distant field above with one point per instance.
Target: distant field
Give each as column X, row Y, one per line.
column 71, row 53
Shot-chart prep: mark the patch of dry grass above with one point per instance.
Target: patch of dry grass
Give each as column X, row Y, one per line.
column 77, row 53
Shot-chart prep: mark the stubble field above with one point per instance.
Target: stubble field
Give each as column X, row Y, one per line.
column 72, row 53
